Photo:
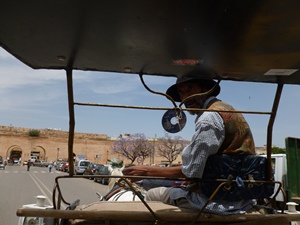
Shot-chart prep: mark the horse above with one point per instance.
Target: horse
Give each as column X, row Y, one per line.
column 120, row 193
column 114, row 171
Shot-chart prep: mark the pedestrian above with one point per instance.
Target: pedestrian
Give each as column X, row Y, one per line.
column 28, row 165
column 215, row 133
column 50, row 166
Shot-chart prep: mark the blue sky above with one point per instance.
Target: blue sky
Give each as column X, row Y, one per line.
column 38, row 99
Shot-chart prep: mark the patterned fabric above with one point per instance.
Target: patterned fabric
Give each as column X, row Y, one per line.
column 239, row 167
column 239, row 139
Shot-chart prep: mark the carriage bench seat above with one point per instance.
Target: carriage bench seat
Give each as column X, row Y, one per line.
column 134, row 213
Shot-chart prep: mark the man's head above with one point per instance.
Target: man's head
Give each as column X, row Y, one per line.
column 191, row 84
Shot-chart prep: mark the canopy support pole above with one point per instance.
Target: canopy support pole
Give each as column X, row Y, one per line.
column 270, row 128
column 71, row 121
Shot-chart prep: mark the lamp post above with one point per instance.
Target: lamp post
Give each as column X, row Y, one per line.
column 86, row 150
column 153, row 152
column 57, row 154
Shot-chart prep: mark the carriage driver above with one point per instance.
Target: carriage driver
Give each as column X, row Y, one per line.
column 215, row 133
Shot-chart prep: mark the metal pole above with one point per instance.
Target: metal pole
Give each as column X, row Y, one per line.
column 57, row 154
column 270, row 128
column 72, row 120
column 153, row 153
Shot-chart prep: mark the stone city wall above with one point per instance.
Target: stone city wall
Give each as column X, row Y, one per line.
column 52, row 144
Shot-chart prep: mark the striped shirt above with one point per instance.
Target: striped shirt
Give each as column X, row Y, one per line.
column 208, row 137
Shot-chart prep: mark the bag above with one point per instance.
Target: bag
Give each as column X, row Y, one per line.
column 240, row 167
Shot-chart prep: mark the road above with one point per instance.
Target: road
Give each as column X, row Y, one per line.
column 20, row 187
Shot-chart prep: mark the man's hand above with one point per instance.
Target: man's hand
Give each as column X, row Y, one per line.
column 135, row 171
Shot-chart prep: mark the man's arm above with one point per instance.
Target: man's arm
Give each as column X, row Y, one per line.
column 154, row 171
column 208, row 137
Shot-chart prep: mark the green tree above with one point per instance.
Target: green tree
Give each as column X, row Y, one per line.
column 277, row 150
column 34, row 133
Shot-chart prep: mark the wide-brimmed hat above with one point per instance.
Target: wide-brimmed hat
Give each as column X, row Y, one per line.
column 205, row 82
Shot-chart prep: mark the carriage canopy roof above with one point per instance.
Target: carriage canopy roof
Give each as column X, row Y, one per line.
column 249, row 40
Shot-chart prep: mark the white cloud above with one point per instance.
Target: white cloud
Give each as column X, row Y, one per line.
column 121, row 84
column 14, row 74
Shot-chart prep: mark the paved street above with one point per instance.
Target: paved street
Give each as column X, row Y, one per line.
column 20, row 187
column 32, row 170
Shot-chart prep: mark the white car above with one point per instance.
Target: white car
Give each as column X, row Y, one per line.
column 44, row 163
column 2, row 166
column 80, row 166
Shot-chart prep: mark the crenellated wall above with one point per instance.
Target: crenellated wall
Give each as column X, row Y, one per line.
column 53, row 144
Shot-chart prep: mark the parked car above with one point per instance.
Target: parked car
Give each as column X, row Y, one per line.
column 2, row 166
column 33, row 158
column 80, row 166
column 102, row 171
column 90, row 170
column 36, row 163
column 65, row 167
column 43, row 163
column 97, row 169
